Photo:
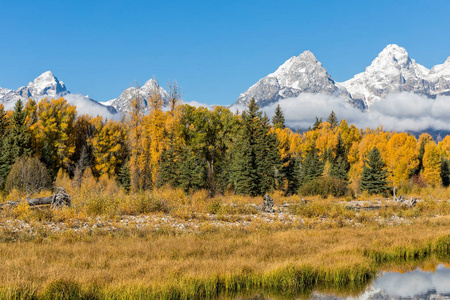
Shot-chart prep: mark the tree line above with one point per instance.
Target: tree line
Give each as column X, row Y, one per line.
column 216, row 150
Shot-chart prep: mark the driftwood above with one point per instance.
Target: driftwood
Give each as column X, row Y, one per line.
column 403, row 200
column 59, row 199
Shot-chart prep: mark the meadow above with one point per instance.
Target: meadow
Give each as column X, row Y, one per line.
column 166, row 244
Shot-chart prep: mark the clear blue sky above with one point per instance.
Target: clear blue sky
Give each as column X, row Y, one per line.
column 214, row 49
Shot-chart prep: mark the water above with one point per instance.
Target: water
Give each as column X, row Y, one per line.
column 415, row 284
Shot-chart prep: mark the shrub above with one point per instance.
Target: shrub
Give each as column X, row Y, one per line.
column 28, row 174
column 325, row 186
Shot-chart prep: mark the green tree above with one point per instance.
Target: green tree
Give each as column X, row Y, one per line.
column 316, row 124
column 445, row 171
column 339, row 164
column 278, row 120
column 333, row 120
column 312, row 166
column 256, row 159
column 374, row 176
column 17, row 141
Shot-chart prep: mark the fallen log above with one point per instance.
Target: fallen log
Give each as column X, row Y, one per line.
column 57, row 200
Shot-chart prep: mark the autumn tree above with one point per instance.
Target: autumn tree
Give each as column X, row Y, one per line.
column 54, row 133
column 333, row 120
column 432, row 165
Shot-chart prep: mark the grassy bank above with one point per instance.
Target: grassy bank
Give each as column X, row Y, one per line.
column 172, row 266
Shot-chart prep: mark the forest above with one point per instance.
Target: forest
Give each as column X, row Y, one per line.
column 198, row 149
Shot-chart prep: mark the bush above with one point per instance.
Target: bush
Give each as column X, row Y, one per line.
column 28, row 174
column 325, row 186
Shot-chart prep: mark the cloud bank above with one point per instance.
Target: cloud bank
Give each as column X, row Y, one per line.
column 397, row 112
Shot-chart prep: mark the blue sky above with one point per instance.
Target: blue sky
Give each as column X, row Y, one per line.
column 214, row 49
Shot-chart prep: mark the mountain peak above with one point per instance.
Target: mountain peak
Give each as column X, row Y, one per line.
column 46, row 84
column 396, row 54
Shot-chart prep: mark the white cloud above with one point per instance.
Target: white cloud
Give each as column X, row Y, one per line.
column 397, row 112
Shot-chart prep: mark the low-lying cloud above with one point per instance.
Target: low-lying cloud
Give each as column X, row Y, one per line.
column 397, row 112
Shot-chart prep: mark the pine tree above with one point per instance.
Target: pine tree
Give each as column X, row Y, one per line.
column 316, row 124
column 445, row 171
column 332, row 119
column 17, row 141
column 312, row 166
column 193, row 172
column 340, row 165
column 374, row 176
column 278, row 120
column 256, row 160
column 124, row 177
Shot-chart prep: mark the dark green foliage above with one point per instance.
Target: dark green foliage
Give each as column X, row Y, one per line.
column 278, row 120
column 292, row 172
column 312, row 166
column 193, row 172
column 419, row 167
column 316, row 123
column 374, row 176
column 325, row 186
column 256, row 160
column 339, row 164
column 332, row 119
column 17, row 141
column 28, row 174
column 124, row 177
column 445, row 171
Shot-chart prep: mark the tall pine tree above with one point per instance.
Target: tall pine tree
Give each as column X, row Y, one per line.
column 312, row 166
column 278, row 120
column 374, row 176
column 256, row 159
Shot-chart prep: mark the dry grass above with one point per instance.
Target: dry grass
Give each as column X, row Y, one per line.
column 155, row 262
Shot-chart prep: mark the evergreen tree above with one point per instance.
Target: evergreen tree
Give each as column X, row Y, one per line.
column 278, row 120
column 17, row 141
column 445, row 171
column 340, row 165
column 374, row 174
column 124, row 177
column 332, row 119
column 292, row 172
column 312, row 167
column 317, row 123
column 256, row 160
column 193, row 172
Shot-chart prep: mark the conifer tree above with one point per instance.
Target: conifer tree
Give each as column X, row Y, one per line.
column 124, row 177
column 17, row 141
column 278, row 120
column 374, row 176
column 340, row 165
column 193, row 172
column 445, row 171
column 312, row 166
column 256, row 160
column 316, row 124
column 332, row 119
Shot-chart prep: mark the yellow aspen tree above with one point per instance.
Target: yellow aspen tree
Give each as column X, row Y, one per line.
column 444, row 146
column 109, row 147
column 401, row 157
column 134, row 139
column 53, row 132
column 432, row 165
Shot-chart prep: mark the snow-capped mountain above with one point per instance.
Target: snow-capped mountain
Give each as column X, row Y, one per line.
column 47, row 85
column 301, row 74
column 123, row 102
column 392, row 71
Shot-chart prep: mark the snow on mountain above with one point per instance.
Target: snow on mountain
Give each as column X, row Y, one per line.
column 393, row 71
column 47, row 85
column 123, row 102
column 439, row 78
column 301, row 74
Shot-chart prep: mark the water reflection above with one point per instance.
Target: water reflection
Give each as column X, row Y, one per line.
column 415, row 284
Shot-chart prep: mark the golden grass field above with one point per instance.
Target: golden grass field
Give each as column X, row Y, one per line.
column 325, row 244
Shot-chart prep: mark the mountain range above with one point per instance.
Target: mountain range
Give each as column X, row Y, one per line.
column 392, row 71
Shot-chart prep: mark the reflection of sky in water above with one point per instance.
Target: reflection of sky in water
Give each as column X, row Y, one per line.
column 413, row 283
